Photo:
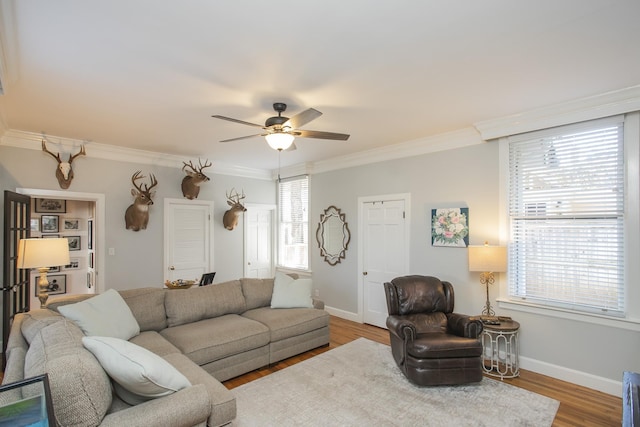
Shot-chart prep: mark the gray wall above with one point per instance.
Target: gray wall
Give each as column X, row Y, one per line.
column 458, row 178
column 462, row 177
column 138, row 259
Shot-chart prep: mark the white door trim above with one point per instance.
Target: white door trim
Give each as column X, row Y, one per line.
column 369, row 199
column 185, row 202
column 99, row 200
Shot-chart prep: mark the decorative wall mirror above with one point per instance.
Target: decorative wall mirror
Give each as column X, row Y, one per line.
column 333, row 235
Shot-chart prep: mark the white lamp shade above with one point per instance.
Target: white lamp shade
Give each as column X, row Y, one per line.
column 38, row 253
column 488, row 258
column 279, row 140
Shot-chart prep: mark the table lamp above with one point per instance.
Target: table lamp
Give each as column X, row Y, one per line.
column 42, row 254
column 488, row 260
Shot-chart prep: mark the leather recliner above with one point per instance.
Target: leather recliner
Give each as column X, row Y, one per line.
column 430, row 343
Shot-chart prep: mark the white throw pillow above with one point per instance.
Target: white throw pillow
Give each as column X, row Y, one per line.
column 289, row 292
column 139, row 374
column 106, row 315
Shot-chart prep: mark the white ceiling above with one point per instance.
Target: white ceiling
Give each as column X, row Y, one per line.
column 148, row 74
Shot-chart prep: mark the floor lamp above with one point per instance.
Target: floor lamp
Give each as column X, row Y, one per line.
column 42, row 254
column 488, row 260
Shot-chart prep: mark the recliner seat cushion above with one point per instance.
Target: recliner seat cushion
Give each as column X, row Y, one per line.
column 436, row 345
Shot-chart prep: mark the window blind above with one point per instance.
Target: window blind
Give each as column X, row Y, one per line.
column 566, row 209
column 293, row 223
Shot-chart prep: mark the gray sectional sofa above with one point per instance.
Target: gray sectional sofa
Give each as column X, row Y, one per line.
column 209, row 334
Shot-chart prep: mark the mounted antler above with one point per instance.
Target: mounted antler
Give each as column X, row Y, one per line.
column 64, row 172
column 137, row 215
column 230, row 219
column 195, row 177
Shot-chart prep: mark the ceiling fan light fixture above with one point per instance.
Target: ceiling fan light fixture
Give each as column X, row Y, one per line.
column 279, row 140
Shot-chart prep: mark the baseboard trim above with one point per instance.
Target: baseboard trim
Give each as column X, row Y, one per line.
column 347, row 315
column 584, row 379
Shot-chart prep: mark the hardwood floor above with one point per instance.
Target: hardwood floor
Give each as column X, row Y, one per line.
column 579, row 406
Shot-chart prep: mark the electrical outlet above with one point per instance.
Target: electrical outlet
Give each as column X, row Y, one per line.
column 317, row 292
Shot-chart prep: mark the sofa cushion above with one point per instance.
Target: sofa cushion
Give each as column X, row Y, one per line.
column 106, row 314
column 147, row 306
column 139, row 374
column 80, row 389
column 211, row 339
column 289, row 292
column 223, row 401
column 257, row 292
column 204, row 302
column 154, row 342
column 35, row 320
column 289, row 323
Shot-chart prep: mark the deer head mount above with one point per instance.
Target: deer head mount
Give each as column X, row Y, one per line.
column 195, row 177
column 230, row 219
column 64, row 172
column 137, row 215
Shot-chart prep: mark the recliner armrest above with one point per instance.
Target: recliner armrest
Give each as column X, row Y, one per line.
column 463, row 325
column 400, row 327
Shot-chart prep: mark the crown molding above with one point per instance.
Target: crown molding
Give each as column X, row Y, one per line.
column 593, row 107
column 32, row 141
column 446, row 141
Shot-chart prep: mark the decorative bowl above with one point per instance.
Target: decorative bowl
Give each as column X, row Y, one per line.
column 179, row 284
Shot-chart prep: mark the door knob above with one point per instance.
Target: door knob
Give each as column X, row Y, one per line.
column 172, row 268
column 364, row 273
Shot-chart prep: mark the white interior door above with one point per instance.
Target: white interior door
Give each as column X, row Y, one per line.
column 259, row 226
column 385, row 253
column 188, row 235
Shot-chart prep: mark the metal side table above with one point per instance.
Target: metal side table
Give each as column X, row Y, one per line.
column 500, row 349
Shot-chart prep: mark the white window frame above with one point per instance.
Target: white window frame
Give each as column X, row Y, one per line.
column 631, row 319
column 282, row 263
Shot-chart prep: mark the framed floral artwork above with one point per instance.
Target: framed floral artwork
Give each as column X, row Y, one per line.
column 450, row 227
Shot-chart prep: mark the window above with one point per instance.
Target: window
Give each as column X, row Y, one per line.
column 293, row 223
column 566, row 212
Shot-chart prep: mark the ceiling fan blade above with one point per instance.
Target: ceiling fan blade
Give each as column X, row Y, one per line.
column 322, row 135
column 243, row 137
column 242, row 122
column 302, row 118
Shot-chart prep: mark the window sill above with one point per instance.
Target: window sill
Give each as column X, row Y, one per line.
column 299, row 271
column 622, row 323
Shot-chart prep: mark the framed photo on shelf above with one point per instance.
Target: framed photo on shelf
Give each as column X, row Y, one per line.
column 35, row 224
column 75, row 243
column 90, row 279
column 51, row 206
column 71, row 224
column 57, row 284
column 49, row 223
column 90, row 259
column 74, row 264
column 90, row 234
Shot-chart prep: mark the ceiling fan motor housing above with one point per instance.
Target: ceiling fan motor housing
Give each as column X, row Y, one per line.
column 280, row 107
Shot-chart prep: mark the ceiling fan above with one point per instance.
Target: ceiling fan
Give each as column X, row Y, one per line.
column 280, row 131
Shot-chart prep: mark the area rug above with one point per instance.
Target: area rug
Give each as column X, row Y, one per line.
column 359, row 384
